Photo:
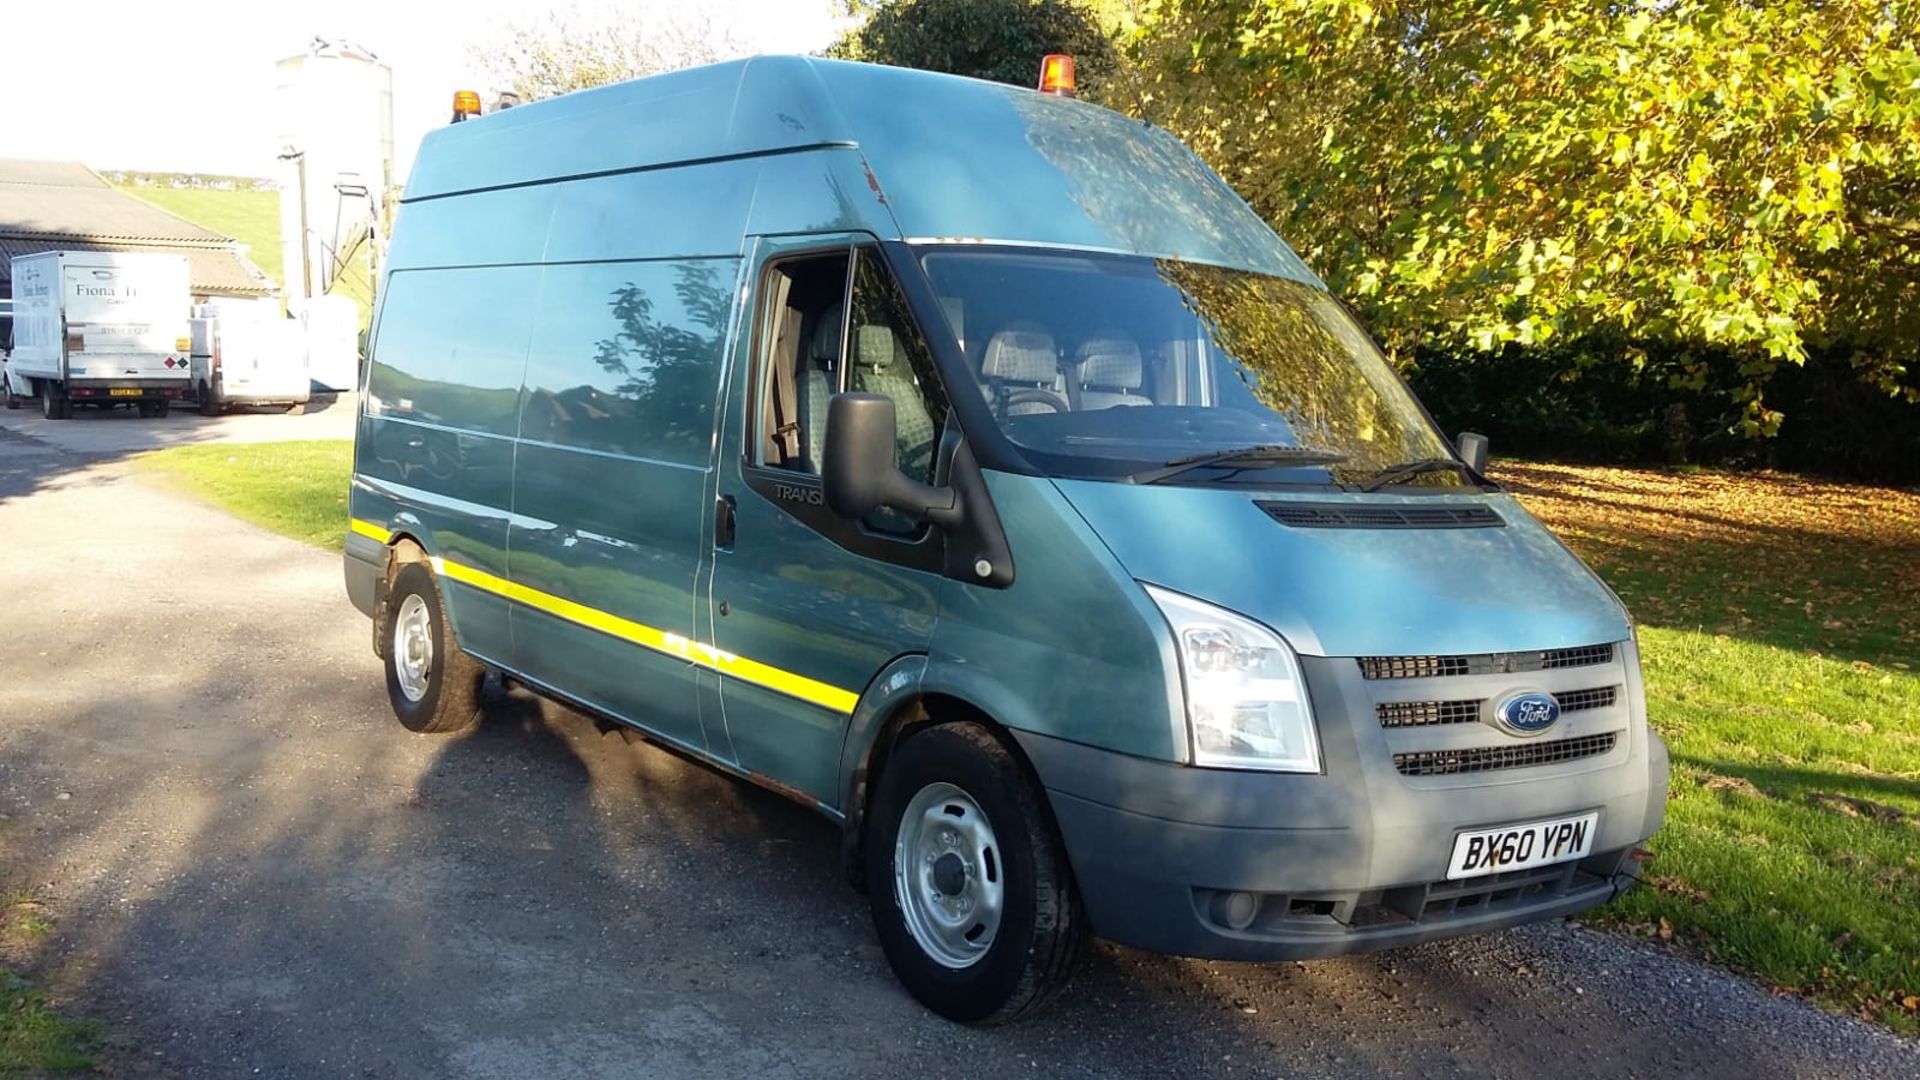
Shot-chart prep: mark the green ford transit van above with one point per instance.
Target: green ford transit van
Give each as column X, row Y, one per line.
column 972, row 466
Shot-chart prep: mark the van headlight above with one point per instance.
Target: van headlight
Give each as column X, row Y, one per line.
column 1246, row 702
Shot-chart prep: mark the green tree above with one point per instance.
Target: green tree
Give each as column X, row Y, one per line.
column 1485, row 172
column 1001, row 40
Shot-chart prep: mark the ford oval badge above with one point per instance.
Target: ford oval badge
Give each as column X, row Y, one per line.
column 1528, row 713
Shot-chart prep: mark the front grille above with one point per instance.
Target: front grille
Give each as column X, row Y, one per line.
column 1467, row 711
column 1422, row 713
column 1425, row 667
column 1489, row 758
column 1303, row 515
column 1599, row 697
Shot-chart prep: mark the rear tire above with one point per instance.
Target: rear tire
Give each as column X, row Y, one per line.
column 53, row 401
column 959, row 798
column 145, row 409
column 433, row 686
column 162, row 409
column 209, row 404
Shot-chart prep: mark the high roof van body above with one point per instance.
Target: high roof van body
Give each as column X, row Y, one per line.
column 972, row 466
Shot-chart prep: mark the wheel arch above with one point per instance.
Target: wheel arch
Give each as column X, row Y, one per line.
column 909, row 695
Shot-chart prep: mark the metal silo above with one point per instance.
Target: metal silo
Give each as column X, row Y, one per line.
column 334, row 104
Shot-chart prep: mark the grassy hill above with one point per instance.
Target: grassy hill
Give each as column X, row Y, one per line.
column 253, row 218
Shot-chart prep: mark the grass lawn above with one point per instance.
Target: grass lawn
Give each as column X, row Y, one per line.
column 1780, row 635
column 1780, row 632
column 35, row 1040
column 295, row 488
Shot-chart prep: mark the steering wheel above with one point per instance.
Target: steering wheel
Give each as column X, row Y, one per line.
column 1034, row 394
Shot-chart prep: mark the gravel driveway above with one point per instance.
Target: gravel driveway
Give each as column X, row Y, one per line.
column 255, row 872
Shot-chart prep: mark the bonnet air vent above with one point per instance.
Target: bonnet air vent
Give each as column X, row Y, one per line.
column 1308, row 515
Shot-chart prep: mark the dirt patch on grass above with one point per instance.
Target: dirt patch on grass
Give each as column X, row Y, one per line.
column 1739, row 785
column 1855, row 807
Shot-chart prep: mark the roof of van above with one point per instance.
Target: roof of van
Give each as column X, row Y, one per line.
column 945, row 158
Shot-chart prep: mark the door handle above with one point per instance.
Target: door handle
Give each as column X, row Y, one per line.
column 723, row 522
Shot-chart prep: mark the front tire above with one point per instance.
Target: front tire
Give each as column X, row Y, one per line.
column 433, row 686
column 209, row 404
column 972, row 897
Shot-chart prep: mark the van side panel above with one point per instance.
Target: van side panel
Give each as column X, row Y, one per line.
column 489, row 228
column 611, row 485
column 819, row 191
column 693, row 210
column 1061, row 651
column 749, row 107
column 436, row 434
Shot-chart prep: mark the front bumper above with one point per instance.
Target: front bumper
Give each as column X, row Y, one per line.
column 1256, row 866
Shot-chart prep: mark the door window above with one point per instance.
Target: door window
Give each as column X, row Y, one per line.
column 826, row 330
column 802, row 320
column 886, row 354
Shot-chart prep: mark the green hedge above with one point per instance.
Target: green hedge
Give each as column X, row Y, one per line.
column 1611, row 403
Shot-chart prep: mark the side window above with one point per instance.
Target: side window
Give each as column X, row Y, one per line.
column 453, row 346
column 625, row 357
column 802, row 316
column 886, row 354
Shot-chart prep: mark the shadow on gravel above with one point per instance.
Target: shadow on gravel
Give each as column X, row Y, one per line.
column 534, row 898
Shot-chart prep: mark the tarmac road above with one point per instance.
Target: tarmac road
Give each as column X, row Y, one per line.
column 255, row 872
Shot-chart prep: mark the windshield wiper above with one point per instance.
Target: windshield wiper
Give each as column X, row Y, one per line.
column 1407, row 470
column 1239, row 457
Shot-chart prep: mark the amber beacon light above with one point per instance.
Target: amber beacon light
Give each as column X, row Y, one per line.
column 1056, row 75
column 466, row 105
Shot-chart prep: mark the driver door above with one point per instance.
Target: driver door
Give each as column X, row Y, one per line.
column 806, row 606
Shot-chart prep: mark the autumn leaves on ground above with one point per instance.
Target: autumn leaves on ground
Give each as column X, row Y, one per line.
column 1780, row 635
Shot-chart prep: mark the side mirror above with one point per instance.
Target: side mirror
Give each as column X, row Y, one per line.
column 861, row 472
column 1473, row 450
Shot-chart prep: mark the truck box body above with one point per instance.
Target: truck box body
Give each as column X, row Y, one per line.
column 247, row 353
column 105, row 324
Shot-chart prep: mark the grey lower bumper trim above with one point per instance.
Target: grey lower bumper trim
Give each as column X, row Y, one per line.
column 365, row 563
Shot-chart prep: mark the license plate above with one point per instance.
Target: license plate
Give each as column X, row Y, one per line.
column 121, row 391
column 1520, row 847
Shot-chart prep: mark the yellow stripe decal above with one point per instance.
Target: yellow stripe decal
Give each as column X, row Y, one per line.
column 708, row 656
column 368, row 528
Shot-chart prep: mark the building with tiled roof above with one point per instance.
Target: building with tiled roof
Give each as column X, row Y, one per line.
column 65, row 206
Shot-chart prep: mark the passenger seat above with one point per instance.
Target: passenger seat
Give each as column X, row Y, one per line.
column 1109, row 371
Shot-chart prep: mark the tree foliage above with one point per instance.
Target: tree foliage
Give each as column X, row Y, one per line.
column 586, row 43
column 1001, row 40
column 1483, row 172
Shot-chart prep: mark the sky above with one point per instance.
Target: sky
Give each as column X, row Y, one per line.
column 176, row 86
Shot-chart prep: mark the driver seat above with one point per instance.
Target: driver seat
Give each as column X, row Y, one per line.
column 1021, row 356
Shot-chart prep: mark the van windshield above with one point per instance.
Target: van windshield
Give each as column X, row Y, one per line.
column 1128, row 367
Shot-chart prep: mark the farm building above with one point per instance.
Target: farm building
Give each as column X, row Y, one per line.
column 65, row 206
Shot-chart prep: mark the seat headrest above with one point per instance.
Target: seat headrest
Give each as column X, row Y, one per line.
column 875, row 347
column 1022, row 352
column 825, row 348
column 1110, row 362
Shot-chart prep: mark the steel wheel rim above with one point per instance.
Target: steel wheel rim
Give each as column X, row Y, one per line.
column 948, row 876
column 413, row 647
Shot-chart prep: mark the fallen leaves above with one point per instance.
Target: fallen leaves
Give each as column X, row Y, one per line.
column 1791, row 560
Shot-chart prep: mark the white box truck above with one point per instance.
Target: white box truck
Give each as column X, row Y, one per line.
column 247, row 353
column 99, row 328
